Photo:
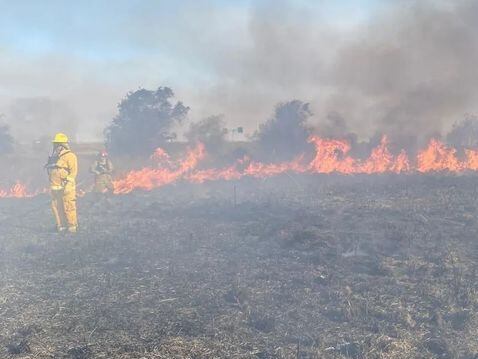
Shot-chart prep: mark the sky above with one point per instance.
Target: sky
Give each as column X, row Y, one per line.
column 405, row 68
column 68, row 64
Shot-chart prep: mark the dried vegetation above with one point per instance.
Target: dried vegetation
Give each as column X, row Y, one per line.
column 301, row 267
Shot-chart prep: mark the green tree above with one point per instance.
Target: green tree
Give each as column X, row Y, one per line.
column 6, row 139
column 464, row 133
column 285, row 134
column 144, row 121
column 210, row 131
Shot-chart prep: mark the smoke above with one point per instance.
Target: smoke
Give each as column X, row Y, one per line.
column 405, row 68
column 43, row 95
column 210, row 131
column 35, row 118
column 464, row 133
column 413, row 70
column 6, row 140
column 408, row 71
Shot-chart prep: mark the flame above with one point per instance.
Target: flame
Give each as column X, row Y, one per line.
column 402, row 163
column 261, row 170
column 438, row 157
column 246, row 167
column 471, row 159
column 151, row 177
column 331, row 156
column 380, row 160
column 161, row 157
column 18, row 190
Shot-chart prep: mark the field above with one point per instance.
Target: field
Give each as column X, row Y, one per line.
column 289, row 267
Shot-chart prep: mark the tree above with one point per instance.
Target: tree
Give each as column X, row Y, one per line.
column 144, row 121
column 285, row 135
column 6, row 139
column 209, row 131
column 464, row 133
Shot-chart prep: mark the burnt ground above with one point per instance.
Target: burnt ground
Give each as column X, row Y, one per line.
column 301, row 267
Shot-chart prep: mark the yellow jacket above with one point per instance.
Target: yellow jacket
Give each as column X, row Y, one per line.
column 102, row 167
column 64, row 172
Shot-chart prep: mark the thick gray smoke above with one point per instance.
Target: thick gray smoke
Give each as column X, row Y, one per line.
column 210, row 131
column 405, row 68
column 412, row 73
column 409, row 71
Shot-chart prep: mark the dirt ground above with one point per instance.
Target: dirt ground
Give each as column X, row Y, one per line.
column 299, row 267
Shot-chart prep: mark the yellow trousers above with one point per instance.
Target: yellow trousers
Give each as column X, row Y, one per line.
column 63, row 204
column 104, row 183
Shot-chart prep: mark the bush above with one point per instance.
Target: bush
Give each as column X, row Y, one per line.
column 6, row 140
column 144, row 122
column 211, row 132
column 285, row 135
column 464, row 133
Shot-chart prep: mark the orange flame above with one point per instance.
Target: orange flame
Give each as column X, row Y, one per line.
column 402, row 164
column 18, row 190
column 249, row 168
column 438, row 157
column 331, row 155
column 149, row 177
column 471, row 159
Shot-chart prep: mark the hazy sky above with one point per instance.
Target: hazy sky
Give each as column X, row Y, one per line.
column 72, row 61
column 402, row 67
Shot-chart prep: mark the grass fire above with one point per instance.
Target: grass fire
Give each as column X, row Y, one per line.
column 308, row 190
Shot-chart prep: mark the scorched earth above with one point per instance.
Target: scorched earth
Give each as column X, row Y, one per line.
column 319, row 266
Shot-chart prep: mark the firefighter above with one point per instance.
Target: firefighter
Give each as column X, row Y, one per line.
column 102, row 168
column 62, row 169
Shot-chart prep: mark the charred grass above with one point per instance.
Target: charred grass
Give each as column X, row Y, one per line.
column 319, row 267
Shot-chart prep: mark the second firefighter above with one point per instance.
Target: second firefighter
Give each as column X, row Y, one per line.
column 102, row 168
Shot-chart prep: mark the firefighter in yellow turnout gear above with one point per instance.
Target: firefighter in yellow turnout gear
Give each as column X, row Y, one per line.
column 62, row 169
column 102, row 168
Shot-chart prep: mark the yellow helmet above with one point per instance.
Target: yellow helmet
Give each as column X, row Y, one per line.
column 60, row 138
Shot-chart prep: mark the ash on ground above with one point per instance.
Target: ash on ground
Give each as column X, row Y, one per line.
column 290, row 267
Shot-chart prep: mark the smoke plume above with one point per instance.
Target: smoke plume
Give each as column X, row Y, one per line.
column 404, row 68
column 408, row 71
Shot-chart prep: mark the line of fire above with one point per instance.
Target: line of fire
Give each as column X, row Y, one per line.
column 331, row 156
